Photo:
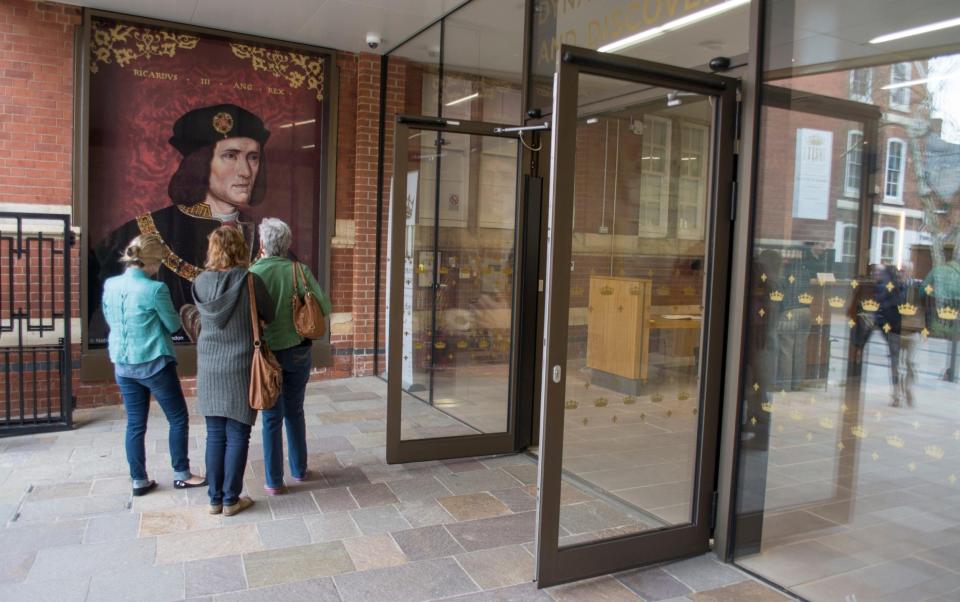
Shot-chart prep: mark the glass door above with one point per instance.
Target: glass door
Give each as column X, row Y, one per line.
column 454, row 285
column 640, row 194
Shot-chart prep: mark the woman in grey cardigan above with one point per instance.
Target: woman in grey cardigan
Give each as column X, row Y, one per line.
column 224, row 356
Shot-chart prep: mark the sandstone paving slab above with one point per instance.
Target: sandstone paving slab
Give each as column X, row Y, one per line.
column 177, row 520
column 517, row 499
column 527, row 592
column 477, row 480
column 745, row 591
column 334, row 443
column 601, row 589
column 15, row 565
column 494, row 532
column 228, row 540
column 149, row 584
column 427, row 542
column 374, row 552
column 86, row 560
column 72, row 508
column 335, row 500
column 473, row 506
column 331, row 526
column 704, row 572
column 273, row 567
column 424, row 580
column 348, row 476
column 283, row 533
column 111, row 485
column 54, row 590
column 653, row 584
column 59, row 491
column 112, row 527
column 525, row 473
column 498, row 567
column 292, row 504
column 310, row 590
column 36, row 536
column 379, row 519
column 425, row 513
column 214, row 576
column 374, row 494
column 418, row 489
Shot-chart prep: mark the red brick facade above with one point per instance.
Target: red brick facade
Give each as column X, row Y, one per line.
column 36, row 135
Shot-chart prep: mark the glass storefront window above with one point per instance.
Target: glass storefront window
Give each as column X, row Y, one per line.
column 850, row 428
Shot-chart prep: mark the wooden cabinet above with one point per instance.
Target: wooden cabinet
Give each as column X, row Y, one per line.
column 618, row 327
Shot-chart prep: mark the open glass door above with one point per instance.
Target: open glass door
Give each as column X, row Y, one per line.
column 640, row 193
column 453, row 289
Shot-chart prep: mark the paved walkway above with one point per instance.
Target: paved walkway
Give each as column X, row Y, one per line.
column 360, row 530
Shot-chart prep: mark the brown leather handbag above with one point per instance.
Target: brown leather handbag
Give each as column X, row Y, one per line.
column 308, row 318
column 266, row 376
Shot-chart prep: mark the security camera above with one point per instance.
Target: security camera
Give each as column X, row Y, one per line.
column 719, row 63
column 373, row 40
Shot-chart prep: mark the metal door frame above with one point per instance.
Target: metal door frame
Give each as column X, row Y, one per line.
column 556, row 564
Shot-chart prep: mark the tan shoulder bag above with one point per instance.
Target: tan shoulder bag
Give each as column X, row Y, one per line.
column 266, row 376
column 308, row 319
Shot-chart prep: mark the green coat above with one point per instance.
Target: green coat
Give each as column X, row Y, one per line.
column 277, row 275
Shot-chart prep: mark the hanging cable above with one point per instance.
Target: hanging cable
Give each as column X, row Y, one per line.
column 527, row 146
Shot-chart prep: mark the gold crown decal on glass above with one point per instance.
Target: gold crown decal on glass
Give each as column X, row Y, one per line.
column 934, row 451
column 826, row 423
column 869, row 305
column 896, row 441
column 907, row 309
column 859, row 432
column 767, row 407
column 606, row 290
column 805, row 298
column 837, row 302
column 947, row 313
column 796, row 415
column 776, row 296
column 571, row 404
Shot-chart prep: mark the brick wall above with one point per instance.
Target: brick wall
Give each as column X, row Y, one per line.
column 36, row 132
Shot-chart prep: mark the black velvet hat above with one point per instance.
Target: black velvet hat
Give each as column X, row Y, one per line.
column 208, row 125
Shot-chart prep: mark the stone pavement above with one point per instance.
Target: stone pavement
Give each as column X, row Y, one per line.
column 358, row 530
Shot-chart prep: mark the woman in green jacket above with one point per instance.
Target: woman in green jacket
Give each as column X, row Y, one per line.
column 292, row 351
column 141, row 318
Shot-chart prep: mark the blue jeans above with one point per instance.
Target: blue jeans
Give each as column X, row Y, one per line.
column 295, row 362
column 227, row 443
column 165, row 387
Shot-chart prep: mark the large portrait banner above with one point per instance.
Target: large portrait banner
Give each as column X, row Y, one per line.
column 192, row 131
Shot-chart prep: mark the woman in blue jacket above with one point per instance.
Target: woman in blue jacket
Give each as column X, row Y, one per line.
column 141, row 318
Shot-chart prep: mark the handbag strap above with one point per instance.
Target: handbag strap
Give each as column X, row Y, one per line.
column 296, row 285
column 253, row 310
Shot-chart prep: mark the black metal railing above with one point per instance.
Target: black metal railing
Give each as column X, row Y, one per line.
column 35, row 323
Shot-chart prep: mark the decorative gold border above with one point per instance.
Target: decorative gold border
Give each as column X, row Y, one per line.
column 123, row 44
column 294, row 67
column 197, row 210
column 171, row 260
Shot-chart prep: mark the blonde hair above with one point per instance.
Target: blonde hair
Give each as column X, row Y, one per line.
column 227, row 249
column 144, row 250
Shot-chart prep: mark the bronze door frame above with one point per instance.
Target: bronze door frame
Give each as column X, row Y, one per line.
column 556, row 564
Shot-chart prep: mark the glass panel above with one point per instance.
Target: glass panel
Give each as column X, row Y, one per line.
column 849, row 452
column 636, row 300
column 457, row 337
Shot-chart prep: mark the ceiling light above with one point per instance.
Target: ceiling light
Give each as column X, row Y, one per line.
column 592, row 120
column 673, row 99
column 916, row 82
column 464, row 99
column 680, row 23
column 305, row 122
column 307, row 146
column 916, row 31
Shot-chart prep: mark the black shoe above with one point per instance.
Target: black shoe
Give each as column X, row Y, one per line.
column 138, row 491
column 185, row 485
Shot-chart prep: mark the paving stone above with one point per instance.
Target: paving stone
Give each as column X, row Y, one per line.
column 653, row 584
column 295, row 564
column 330, row 526
column 379, row 519
column 374, row 552
column 33, row 537
column 197, row 545
column 425, row 514
column 334, row 500
column 473, row 506
column 427, row 542
column 704, row 572
column 498, row 567
column 525, row 473
column 601, row 589
column 55, row 590
column 155, row 583
column 418, row 489
column 745, row 591
column 464, row 465
column 87, row 560
column 345, row 477
column 113, row 527
column 592, row 516
column 424, row 580
column 375, row 494
column 477, row 480
column 292, row 504
column 80, row 507
column 59, row 491
column 517, row 499
column 311, row 590
column 214, row 576
column 494, row 532
column 331, row 444
column 159, row 500
column 178, row 520
column 15, row 565
column 283, row 533
column 109, row 486
column 527, row 592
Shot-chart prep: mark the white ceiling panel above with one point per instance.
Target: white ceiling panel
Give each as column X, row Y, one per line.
column 260, row 18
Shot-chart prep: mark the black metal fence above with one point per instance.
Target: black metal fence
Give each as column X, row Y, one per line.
column 35, row 323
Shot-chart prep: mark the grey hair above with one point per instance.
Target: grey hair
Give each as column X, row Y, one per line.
column 275, row 237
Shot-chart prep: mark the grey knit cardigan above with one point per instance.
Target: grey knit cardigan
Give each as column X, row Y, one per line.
column 225, row 344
